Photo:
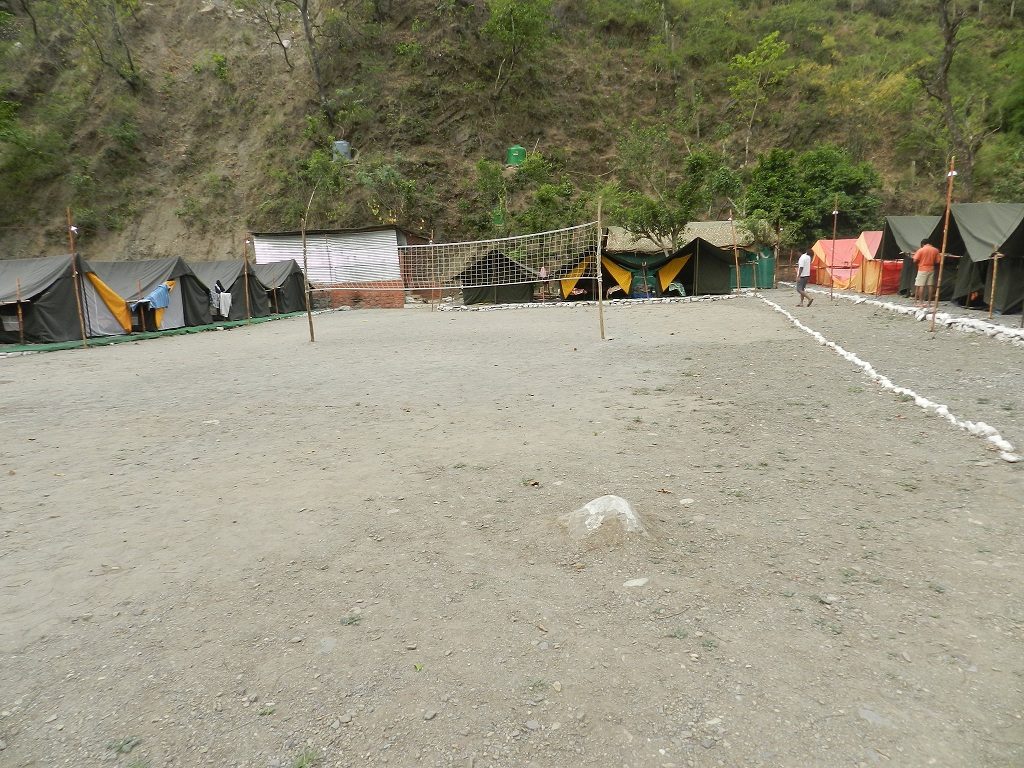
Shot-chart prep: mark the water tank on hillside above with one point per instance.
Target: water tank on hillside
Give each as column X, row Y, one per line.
column 342, row 150
column 515, row 155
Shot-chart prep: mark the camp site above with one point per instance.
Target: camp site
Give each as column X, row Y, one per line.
column 511, row 384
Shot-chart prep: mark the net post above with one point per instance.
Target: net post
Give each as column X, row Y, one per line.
column 735, row 252
column 76, row 280
column 305, row 277
column 597, row 266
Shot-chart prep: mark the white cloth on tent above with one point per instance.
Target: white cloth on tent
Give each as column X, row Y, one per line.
column 225, row 304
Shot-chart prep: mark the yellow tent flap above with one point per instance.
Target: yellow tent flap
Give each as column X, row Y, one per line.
column 568, row 283
column 621, row 276
column 670, row 271
column 160, row 312
column 117, row 306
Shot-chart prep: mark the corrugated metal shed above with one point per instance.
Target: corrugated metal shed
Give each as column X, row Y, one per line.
column 337, row 256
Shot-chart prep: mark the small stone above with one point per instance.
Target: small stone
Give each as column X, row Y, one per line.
column 533, row 725
column 297, row 639
column 335, row 724
column 346, row 718
column 51, row 718
column 905, row 656
column 636, row 582
column 3, row 745
column 829, row 599
column 686, row 502
column 410, row 646
column 557, row 686
column 543, row 645
column 429, row 714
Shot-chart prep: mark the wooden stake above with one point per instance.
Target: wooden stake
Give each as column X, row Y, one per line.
column 945, row 237
column 75, row 280
column 245, row 272
column 597, row 265
column 831, row 277
column 735, row 251
column 21, row 320
column 995, row 273
column 305, row 277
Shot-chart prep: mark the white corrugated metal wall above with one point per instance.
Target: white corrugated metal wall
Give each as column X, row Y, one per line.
column 336, row 257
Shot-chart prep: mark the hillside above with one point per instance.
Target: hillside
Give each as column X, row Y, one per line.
column 215, row 133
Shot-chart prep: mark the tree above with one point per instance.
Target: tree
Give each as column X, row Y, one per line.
column 661, row 191
column 276, row 16
column 101, row 25
column 520, row 29
column 964, row 116
column 753, row 76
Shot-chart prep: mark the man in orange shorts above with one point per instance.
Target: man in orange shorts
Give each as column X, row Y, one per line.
column 926, row 257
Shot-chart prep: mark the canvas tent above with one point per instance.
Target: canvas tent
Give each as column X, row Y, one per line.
column 142, row 285
column 901, row 237
column 236, row 277
column 835, row 263
column 875, row 275
column 44, row 292
column 286, row 287
column 494, row 278
column 976, row 232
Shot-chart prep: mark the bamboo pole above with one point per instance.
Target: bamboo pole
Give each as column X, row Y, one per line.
column 831, row 276
column 75, row 280
column 245, row 272
column 305, row 270
column 778, row 254
column 995, row 274
column 945, row 237
column 21, row 319
column 597, row 266
column 735, row 251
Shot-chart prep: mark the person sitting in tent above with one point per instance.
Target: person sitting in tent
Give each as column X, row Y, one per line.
column 925, row 258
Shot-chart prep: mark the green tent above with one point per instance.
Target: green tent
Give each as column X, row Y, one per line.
column 38, row 302
column 235, row 277
column 697, row 268
column 139, row 283
column 976, row 232
column 494, row 278
column 901, row 237
column 286, row 285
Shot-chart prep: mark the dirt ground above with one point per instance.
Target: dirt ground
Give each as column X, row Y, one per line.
column 243, row 549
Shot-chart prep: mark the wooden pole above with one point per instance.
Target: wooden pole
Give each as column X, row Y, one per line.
column 778, row 253
column 597, row 266
column 735, row 251
column 945, row 237
column 995, row 273
column 21, row 320
column 305, row 271
column 831, row 276
column 245, row 272
column 75, row 280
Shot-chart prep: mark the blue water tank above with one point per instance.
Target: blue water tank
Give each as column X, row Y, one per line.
column 342, row 150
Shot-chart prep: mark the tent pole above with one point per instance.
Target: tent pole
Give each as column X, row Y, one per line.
column 21, row 320
column 735, row 250
column 831, row 275
column 995, row 273
column 75, row 279
column 245, row 272
column 597, row 266
column 778, row 249
column 945, row 237
column 305, row 270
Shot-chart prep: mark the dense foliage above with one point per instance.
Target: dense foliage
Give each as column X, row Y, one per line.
column 666, row 110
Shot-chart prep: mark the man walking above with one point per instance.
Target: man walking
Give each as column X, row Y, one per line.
column 803, row 274
column 926, row 257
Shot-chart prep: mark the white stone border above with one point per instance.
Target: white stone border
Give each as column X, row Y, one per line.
column 1005, row 333
column 575, row 304
column 976, row 428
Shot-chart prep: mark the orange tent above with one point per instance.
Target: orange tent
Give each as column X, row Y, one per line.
column 835, row 263
column 873, row 270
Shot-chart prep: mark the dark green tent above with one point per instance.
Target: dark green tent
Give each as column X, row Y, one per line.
column 976, row 232
column 139, row 283
column 38, row 302
column 235, row 277
column 901, row 237
column 286, row 285
column 494, row 278
column 709, row 270
column 697, row 268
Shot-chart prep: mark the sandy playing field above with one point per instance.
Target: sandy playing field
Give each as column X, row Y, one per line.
column 243, row 549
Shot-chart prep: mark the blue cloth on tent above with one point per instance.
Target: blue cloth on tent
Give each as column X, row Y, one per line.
column 159, row 297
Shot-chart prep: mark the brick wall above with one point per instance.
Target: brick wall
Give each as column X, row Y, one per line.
column 386, row 294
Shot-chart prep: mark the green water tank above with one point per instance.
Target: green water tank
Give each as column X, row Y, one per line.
column 515, row 155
